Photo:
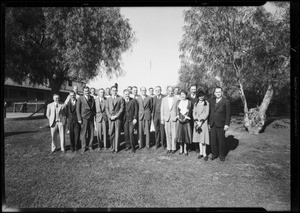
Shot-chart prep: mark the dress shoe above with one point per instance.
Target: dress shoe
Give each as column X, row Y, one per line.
column 169, row 151
column 173, row 152
column 200, row 156
column 53, row 151
column 212, row 158
column 205, row 158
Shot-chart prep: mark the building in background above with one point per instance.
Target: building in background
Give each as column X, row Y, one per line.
column 33, row 93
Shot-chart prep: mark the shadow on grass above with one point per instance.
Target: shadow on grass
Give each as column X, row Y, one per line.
column 6, row 134
column 267, row 123
column 29, row 118
column 231, row 143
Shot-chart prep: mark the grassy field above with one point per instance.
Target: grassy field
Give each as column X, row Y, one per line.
column 256, row 173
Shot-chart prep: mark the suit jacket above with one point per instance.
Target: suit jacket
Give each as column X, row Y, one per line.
column 220, row 113
column 85, row 108
column 193, row 100
column 114, row 107
column 166, row 113
column 100, row 109
column 145, row 107
column 51, row 114
column 157, row 106
column 71, row 111
column 131, row 110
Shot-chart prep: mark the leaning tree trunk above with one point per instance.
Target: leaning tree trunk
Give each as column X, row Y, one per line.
column 247, row 121
column 257, row 116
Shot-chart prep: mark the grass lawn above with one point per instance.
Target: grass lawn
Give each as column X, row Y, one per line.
column 256, row 173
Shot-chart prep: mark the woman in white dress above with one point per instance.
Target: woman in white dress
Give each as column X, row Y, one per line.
column 200, row 131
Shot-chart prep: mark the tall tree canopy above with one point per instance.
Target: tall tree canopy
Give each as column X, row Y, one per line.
column 238, row 48
column 66, row 43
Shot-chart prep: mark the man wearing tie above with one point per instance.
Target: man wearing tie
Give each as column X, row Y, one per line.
column 101, row 119
column 74, row 126
column 159, row 128
column 219, row 120
column 57, row 120
column 145, row 109
column 192, row 97
column 85, row 113
column 114, row 110
column 168, row 118
column 130, row 119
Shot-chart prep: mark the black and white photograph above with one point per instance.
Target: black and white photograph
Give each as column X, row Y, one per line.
column 148, row 107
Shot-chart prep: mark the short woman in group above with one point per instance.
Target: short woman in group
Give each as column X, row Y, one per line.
column 200, row 131
column 184, row 113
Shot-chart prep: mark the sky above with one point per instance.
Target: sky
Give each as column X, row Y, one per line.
column 154, row 58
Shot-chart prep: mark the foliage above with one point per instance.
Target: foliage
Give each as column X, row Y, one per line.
column 236, row 46
column 57, row 44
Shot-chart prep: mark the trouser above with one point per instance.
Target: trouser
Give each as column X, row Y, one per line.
column 74, row 129
column 129, row 136
column 114, row 132
column 159, row 132
column 87, row 132
column 144, row 127
column 217, row 142
column 170, row 127
column 102, row 131
column 58, row 127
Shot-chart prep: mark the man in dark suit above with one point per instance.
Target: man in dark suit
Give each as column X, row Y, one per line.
column 145, row 109
column 219, row 120
column 130, row 119
column 86, row 111
column 159, row 128
column 194, row 99
column 101, row 119
column 114, row 109
column 74, row 126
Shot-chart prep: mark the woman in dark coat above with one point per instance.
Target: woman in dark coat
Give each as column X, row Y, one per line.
column 184, row 113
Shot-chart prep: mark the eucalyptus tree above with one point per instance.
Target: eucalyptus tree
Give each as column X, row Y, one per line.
column 238, row 48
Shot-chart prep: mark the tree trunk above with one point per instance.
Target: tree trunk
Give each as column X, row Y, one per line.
column 247, row 121
column 257, row 115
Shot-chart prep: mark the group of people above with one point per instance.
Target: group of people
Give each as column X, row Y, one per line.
column 178, row 118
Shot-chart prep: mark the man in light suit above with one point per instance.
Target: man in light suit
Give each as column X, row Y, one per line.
column 159, row 128
column 101, row 119
column 86, row 111
column 168, row 118
column 219, row 121
column 145, row 110
column 130, row 119
column 114, row 110
column 74, row 126
column 57, row 120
